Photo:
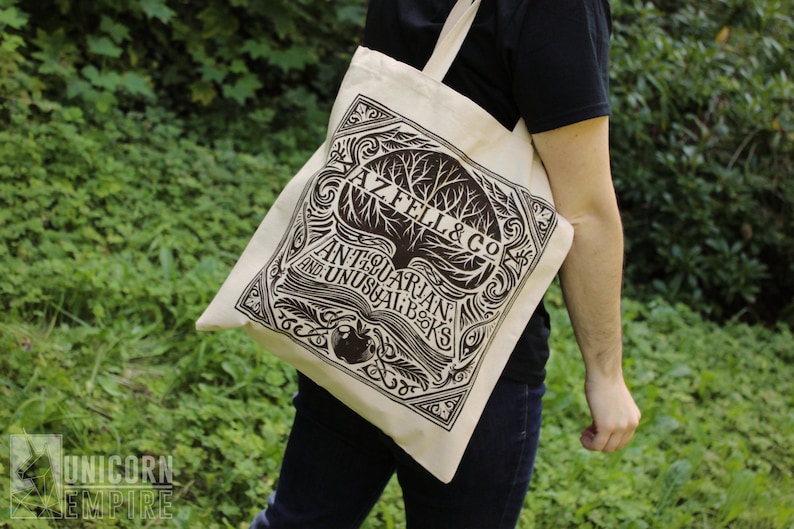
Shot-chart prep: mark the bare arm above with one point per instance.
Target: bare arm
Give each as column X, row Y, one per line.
column 577, row 161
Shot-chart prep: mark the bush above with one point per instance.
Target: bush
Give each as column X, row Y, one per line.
column 275, row 64
column 703, row 139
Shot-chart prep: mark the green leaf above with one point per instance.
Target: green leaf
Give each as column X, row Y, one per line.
column 110, row 384
column 11, row 16
column 256, row 48
column 51, row 65
column 245, row 88
column 107, row 80
column 351, row 14
column 103, row 46
column 157, row 9
column 10, row 43
column 118, row 32
column 284, row 23
column 103, row 101
column 202, row 92
column 137, row 84
column 275, row 378
column 77, row 87
column 217, row 20
column 211, row 73
column 672, row 482
column 238, row 66
column 293, row 58
column 236, row 368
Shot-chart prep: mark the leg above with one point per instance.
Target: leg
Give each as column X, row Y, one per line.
column 334, row 469
column 489, row 488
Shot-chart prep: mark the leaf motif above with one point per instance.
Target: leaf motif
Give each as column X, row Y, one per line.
column 396, row 139
column 300, row 309
column 502, row 202
column 410, row 371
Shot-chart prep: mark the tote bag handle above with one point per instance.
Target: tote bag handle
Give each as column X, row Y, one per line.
column 454, row 32
column 451, row 39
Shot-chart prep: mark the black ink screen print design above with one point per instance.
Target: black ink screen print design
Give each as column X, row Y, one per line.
column 400, row 261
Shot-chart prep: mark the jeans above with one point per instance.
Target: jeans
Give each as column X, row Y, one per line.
column 336, row 466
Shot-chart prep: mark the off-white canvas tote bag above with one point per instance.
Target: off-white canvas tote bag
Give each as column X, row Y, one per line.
column 399, row 267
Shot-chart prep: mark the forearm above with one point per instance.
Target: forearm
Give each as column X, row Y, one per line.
column 591, row 279
column 577, row 162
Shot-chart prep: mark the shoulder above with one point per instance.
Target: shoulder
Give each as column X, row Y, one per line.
column 406, row 30
column 559, row 56
column 555, row 15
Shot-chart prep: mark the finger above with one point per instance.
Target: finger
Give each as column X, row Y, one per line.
column 592, row 439
column 619, row 439
column 613, row 444
column 605, row 440
column 626, row 438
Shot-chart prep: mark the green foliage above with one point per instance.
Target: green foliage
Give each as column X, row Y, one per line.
column 713, row 450
column 73, row 240
column 127, row 191
column 703, row 138
column 703, row 128
column 142, row 390
column 116, row 236
column 214, row 58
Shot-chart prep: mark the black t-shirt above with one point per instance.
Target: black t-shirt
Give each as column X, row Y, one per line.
column 543, row 60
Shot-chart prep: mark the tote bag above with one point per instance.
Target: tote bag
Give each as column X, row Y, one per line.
column 400, row 265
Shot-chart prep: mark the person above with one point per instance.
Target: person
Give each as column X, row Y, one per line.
column 545, row 61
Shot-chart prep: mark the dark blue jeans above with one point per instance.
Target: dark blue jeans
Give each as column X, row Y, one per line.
column 336, row 466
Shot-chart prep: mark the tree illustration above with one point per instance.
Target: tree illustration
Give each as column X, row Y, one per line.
column 436, row 181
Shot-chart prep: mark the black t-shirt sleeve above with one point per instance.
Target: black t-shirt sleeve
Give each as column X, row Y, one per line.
column 560, row 61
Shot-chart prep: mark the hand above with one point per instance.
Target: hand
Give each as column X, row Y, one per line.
column 614, row 412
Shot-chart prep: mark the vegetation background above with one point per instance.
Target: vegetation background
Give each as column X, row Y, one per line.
column 142, row 141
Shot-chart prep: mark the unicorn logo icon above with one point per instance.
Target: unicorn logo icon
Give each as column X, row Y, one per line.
column 35, row 476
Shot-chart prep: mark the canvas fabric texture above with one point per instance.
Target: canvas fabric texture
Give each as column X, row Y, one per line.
column 399, row 266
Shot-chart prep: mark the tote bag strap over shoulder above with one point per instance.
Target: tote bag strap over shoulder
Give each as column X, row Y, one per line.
column 452, row 36
column 454, row 32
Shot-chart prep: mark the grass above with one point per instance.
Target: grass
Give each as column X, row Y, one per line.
column 713, row 450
